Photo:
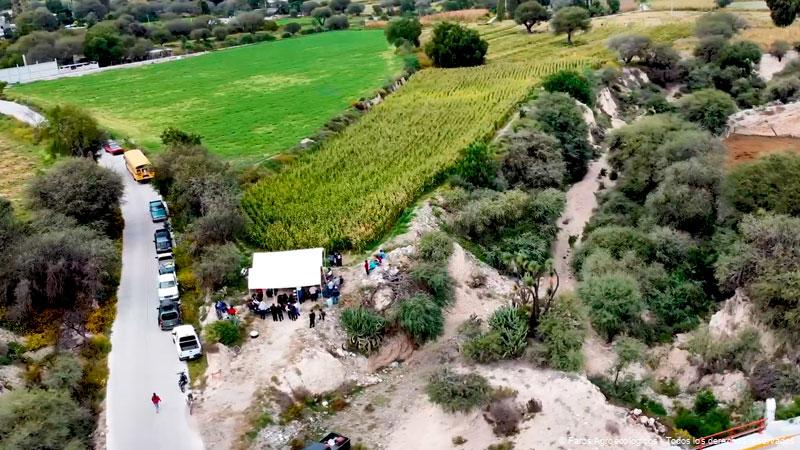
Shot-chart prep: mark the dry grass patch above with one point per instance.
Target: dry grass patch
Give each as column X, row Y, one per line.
column 21, row 157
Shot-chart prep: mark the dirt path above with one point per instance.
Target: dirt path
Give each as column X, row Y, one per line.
column 21, row 113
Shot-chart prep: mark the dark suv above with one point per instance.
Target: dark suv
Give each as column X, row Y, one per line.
column 169, row 314
column 163, row 240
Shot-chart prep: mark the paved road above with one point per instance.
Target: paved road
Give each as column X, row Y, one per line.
column 143, row 359
column 21, row 113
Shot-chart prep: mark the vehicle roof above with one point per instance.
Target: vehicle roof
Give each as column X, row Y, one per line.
column 166, row 277
column 184, row 330
column 159, row 202
column 136, row 158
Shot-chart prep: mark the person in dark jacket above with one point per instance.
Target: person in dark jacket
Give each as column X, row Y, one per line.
column 274, row 311
column 311, row 317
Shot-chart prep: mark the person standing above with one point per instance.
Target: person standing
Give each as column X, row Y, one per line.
column 311, row 317
column 262, row 309
column 321, row 314
column 274, row 311
column 156, row 401
column 366, row 267
column 280, row 312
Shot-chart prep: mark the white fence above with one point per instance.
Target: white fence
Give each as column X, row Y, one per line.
column 41, row 71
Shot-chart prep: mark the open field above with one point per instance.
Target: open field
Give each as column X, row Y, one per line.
column 20, row 156
column 351, row 190
column 247, row 102
column 743, row 148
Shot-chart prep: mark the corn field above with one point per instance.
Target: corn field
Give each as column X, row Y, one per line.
column 349, row 192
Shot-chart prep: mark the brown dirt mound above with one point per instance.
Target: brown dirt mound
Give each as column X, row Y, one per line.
column 743, row 148
column 398, row 348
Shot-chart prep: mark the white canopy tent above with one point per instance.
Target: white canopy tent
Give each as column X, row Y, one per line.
column 284, row 270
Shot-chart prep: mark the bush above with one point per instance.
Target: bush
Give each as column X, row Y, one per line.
column 572, row 83
column 484, row 348
column 364, row 328
column 709, row 108
column 783, row 89
column 705, row 419
column 218, row 265
column 723, row 3
column 786, row 412
column 477, row 166
column 80, row 189
column 532, row 159
column 226, row 332
column 563, row 330
column 434, row 278
column 661, row 64
column 504, row 417
column 337, row 23
column 745, row 55
column 435, row 246
column 405, row 29
column 732, row 353
column 292, row 27
column 625, row 391
column 421, row 318
column 453, row 45
column 779, row 49
column 511, row 324
column 614, row 302
column 64, row 372
column 560, row 117
column 73, row 132
column 630, row 46
column 456, row 392
column 39, row 419
column 766, row 183
column 710, row 48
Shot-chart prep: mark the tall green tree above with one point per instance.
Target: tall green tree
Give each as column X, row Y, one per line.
column 569, row 20
column 531, row 13
column 501, row 9
column 782, row 12
column 453, row 45
column 73, row 132
column 405, row 28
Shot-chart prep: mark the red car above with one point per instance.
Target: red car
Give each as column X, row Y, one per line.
column 113, row 148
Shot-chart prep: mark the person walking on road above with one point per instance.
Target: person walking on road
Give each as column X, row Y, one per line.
column 156, row 401
column 311, row 317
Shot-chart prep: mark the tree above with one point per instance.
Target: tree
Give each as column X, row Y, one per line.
column 203, row 7
column 613, row 6
column 172, row 136
column 404, row 29
column 532, row 160
column 292, row 27
column 722, row 3
column 766, row 183
column 81, row 189
column 220, row 32
column 339, row 5
column 453, row 45
column 614, row 301
column 250, row 21
column 629, row 351
column 44, row 419
column 103, row 44
column 73, row 132
column 501, row 9
column 162, row 35
column 708, row 108
column 782, row 12
column 530, row 13
column 560, row 117
column 37, row 19
column 218, row 265
column 531, row 279
column 65, row 372
column 745, row 55
column 570, row 82
column 779, row 48
column 569, row 20
column 709, row 48
column 321, row 14
column 309, row 6
column 477, row 166
column 630, row 46
column 199, row 34
column 355, row 9
column 337, row 23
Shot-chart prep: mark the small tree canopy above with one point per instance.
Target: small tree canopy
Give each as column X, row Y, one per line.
column 570, row 82
column 630, row 46
column 782, row 12
column 531, row 13
column 406, row 28
column 321, row 14
column 73, row 132
column 337, row 23
column 569, row 20
column 709, row 108
column 456, row 46
column 779, row 48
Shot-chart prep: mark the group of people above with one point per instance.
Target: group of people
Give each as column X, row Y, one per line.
column 335, row 259
column 224, row 311
column 286, row 304
column 370, row 265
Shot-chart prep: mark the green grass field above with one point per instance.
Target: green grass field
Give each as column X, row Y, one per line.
column 21, row 157
column 248, row 102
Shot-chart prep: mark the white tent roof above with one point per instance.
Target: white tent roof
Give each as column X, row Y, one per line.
column 289, row 269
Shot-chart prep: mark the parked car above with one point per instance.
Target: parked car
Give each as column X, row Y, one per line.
column 163, row 241
column 158, row 211
column 168, row 287
column 113, row 148
column 186, row 342
column 330, row 441
column 165, row 264
column 169, row 314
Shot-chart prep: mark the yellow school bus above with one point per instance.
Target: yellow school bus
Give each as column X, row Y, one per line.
column 138, row 165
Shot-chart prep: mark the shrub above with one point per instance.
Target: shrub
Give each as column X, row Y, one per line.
column 337, row 23
column 404, row 29
column 661, row 64
column 421, row 318
column 745, row 55
column 563, row 330
column 709, row 108
column 511, row 324
column 477, row 166
column 435, row 246
column 718, row 23
column 73, row 132
column 572, row 83
column 504, row 417
column 364, row 328
column 779, row 49
column 434, row 277
column 769, row 380
column 668, row 387
column 226, row 332
column 532, row 159
column 614, row 302
column 733, row 353
column 710, row 48
column 560, row 117
column 630, row 46
column 64, row 372
column 705, row 419
column 458, row 392
column 218, row 265
column 783, row 89
column 39, row 419
column 292, row 27
column 453, row 45
column 625, row 391
column 723, row 3
column 785, row 412
column 484, row 348
column 766, row 183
